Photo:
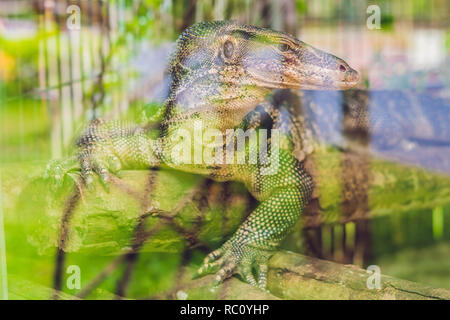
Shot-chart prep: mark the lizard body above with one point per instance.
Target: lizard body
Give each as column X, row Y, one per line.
column 219, row 72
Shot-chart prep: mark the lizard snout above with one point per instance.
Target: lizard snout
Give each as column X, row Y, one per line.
column 352, row 76
column 349, row 77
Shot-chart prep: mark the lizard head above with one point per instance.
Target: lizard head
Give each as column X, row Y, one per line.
column 228, row 61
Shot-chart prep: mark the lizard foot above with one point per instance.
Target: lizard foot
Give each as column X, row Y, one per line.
column 96, row 153
column 245, row 260
column 100, row 163
column 57, row 170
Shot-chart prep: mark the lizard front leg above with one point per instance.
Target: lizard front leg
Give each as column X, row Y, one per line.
column 107, row 147
column 283, row 197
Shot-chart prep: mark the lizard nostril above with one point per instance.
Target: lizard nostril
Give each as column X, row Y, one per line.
column 342, row 68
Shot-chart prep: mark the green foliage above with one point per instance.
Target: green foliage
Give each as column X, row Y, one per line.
column 301, row 6
column 428, row 265
column 24, row 131
column 102, row 228
column 152, row 112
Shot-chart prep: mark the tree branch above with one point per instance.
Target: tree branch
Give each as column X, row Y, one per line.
column 294, row 276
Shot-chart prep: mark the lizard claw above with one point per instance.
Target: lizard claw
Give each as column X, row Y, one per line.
column 91, row 165
column 211, row 264
column 97, row 158
column 240, row 259
column 57, row 170
column 103, row 175
column 262, row 275
column 227, row 270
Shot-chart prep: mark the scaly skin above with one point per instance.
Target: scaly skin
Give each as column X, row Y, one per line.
column 219, row 72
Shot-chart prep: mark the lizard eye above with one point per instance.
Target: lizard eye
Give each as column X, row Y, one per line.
column 342, row 68
column 283, row 47
column 228, row 49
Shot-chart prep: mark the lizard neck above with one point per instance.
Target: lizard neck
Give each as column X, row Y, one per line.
column 219, row 105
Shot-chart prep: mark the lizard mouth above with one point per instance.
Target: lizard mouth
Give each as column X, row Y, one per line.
column 342, row 85
column 331, row 81
column 339, row 85
column 316, row 80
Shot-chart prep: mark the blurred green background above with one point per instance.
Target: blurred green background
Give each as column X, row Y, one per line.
column 65, row 62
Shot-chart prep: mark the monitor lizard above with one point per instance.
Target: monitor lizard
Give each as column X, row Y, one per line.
column 219, row 72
